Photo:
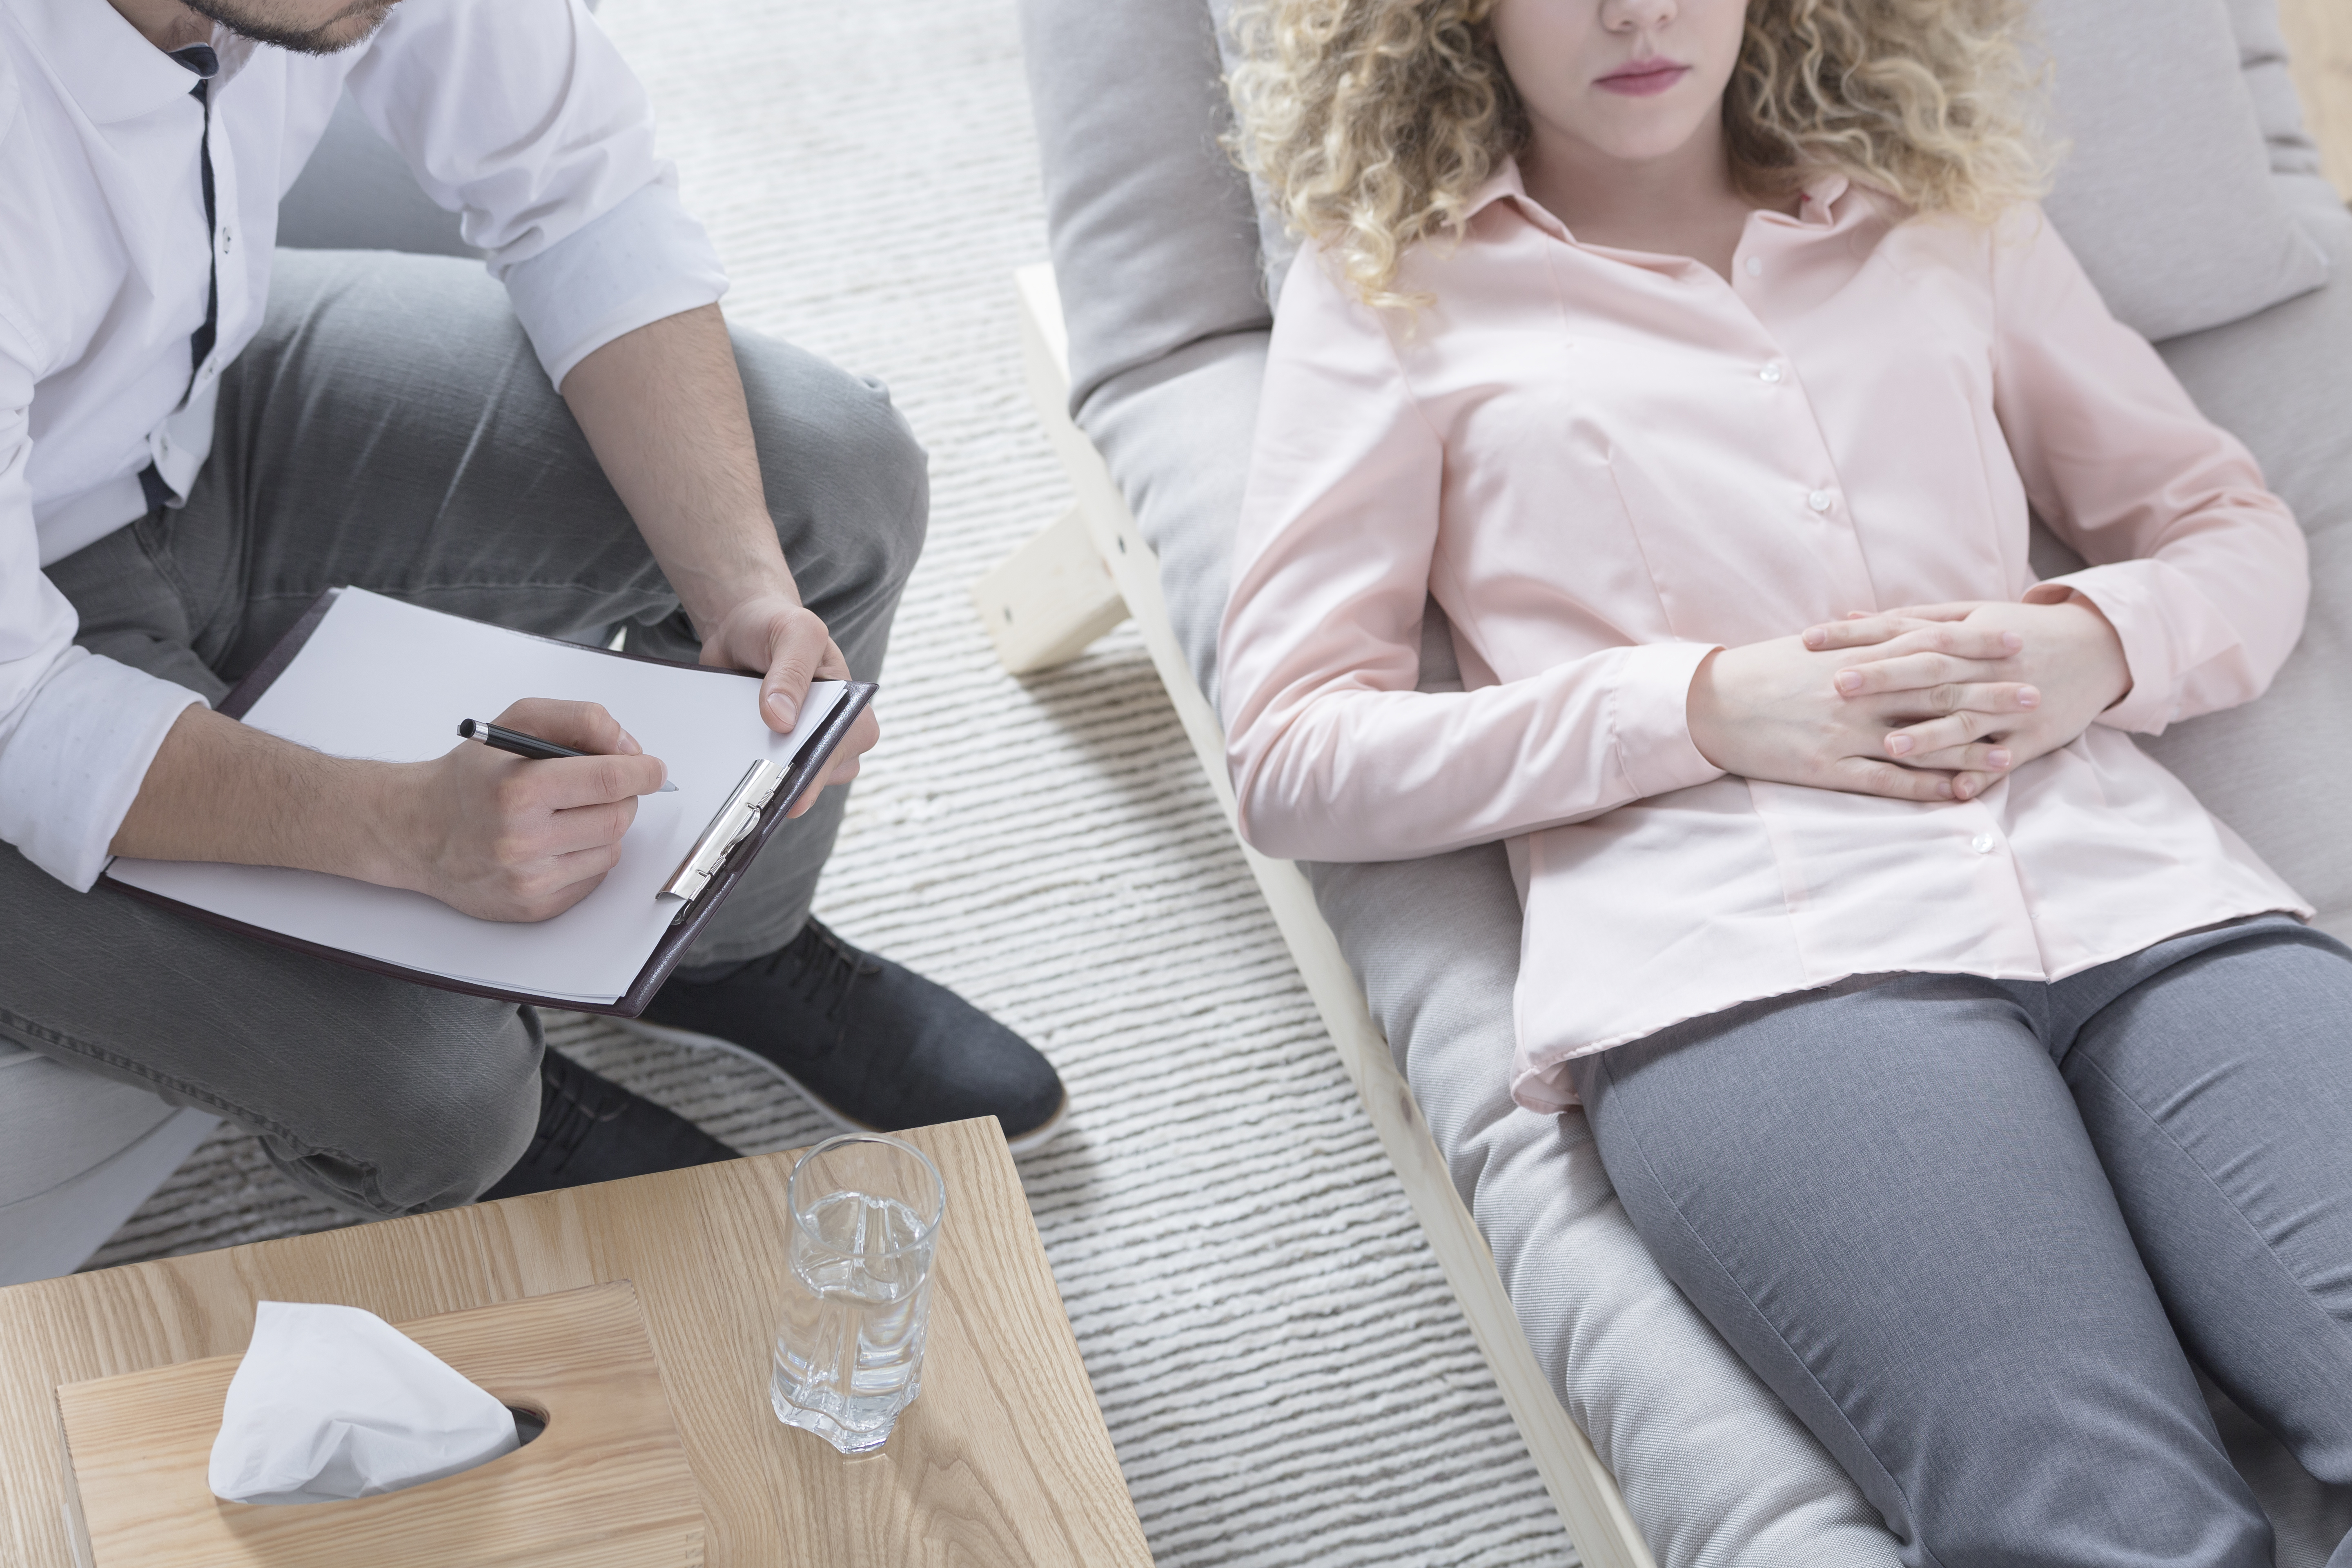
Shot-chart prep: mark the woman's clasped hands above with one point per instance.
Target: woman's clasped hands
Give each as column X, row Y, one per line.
column 1930, row 703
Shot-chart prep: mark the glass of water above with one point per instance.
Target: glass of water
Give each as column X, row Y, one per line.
column 865, row 1213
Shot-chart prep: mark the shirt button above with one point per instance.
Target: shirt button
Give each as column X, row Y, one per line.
column 1756, row 267
column 1770, row 372
column 1981, row 844
column 1818, row 500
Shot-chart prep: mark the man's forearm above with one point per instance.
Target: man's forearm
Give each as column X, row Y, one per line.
column 663, row 409
column 487, row 834
column 219, row 790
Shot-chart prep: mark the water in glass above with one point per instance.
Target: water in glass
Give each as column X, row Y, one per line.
column 851, row 1345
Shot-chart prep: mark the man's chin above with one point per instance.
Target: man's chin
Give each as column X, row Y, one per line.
column 257, row 20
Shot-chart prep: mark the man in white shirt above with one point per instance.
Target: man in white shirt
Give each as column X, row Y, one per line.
column 197, row 437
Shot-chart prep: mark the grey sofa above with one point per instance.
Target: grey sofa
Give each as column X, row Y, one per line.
column 2192, row 195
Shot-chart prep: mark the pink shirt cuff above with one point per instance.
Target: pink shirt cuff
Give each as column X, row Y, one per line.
column 1651, row 715
column 2119, row 592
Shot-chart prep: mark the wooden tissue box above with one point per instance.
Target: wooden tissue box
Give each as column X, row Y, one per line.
column 604, row 1486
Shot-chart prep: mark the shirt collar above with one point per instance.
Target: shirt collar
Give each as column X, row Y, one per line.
column 1504, row 185
column 1823, row 194
column 111, row 72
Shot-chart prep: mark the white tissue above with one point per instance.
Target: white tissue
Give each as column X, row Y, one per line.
column 333, row 1402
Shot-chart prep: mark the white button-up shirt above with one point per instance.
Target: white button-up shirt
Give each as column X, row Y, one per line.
column 517, row 114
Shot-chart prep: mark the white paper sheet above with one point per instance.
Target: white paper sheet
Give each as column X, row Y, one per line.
column 389, row 681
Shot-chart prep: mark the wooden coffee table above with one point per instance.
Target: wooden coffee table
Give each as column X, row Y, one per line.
column 1004, row 1459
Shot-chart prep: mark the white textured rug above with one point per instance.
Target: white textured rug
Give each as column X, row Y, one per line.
column 1285, row 1372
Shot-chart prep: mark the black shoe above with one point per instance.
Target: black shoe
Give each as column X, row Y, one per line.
column 875, row 1046
column 592, row 1129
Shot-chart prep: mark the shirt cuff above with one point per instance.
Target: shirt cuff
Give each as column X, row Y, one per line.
column 2127, row 596
column 73, row 765
column 644, row 260
column 1650, row 714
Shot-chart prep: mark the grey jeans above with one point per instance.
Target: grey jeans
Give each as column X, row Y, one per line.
column 1972, row 1232
column 391, row 429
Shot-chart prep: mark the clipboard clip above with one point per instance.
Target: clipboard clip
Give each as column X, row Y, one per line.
column 734, row 823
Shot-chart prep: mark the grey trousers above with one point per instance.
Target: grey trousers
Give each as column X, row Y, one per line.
column 391, row 429
column 1972, row 1232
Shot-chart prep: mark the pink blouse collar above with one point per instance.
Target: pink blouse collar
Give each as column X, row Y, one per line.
column 1818, row 210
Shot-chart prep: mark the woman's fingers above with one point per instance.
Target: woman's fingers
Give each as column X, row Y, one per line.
column 1940, row 627
column 1861, row 775
column 1914, row 673
column 1855, row 631
column 1957, row 610
column 1938, row 734
column 1989, row 758
column 1960, row 639
column 1860, row 631
column 1974, row 721
column 1864, row 775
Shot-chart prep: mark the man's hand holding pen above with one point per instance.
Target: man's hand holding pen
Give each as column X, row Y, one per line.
column 505, row 839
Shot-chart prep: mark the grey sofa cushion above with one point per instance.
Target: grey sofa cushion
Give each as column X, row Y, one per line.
column 2166, row 194
column 2275, row 769
column 1144, row 211
column 2261, row 56
column 1187, row 507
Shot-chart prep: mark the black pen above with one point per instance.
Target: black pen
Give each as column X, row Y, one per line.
column 522, row 745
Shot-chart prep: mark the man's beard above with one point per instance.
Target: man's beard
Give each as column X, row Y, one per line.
column 253, row 19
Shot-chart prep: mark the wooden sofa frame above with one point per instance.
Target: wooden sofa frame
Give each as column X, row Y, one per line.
column 1086, row 573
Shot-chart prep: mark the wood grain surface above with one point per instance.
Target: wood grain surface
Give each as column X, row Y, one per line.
column 2319, row 50
column 1004, row 1461
column 604, row 1486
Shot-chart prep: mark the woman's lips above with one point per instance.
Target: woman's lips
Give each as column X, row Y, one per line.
column 1644, row 78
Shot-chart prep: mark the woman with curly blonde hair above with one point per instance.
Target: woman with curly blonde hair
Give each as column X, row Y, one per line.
column 1704, row 363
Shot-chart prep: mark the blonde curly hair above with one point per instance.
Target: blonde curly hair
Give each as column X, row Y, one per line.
column 1374, row 122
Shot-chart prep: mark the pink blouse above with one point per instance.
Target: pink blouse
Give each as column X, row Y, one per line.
column 1603, row 464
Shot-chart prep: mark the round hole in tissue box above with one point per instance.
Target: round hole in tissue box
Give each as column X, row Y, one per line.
column 333, row 1402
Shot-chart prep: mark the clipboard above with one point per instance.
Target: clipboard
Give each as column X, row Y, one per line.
column 721, row 853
